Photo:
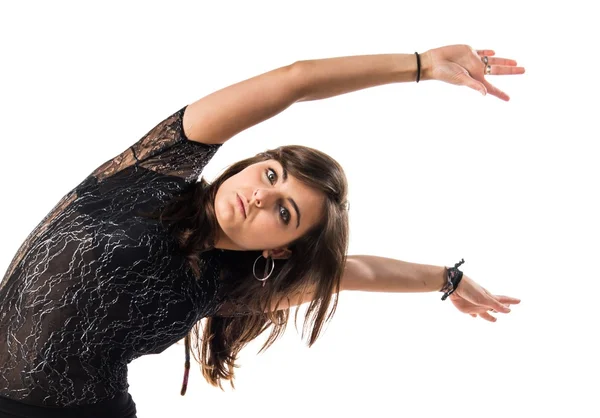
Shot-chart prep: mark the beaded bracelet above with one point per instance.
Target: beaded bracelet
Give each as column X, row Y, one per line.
column 453, row 278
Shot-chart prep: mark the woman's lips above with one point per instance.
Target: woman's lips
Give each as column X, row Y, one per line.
column 241, row 205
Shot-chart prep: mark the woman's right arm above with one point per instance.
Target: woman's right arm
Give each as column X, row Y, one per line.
column 221, row 115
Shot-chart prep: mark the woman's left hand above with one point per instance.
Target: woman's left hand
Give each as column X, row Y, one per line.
column 465, row 66
column 471, row 298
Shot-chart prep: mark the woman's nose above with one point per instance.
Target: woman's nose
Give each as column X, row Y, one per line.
column 263, row 198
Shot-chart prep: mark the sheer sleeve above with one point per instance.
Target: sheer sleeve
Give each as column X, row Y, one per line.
column 166, row 150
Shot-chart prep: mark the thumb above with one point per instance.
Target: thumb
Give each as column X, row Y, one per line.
column 466, row 80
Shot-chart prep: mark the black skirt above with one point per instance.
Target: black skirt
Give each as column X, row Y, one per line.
column 121, row 406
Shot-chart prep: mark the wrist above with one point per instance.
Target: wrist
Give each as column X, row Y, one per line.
column 454, row 277
column 440, row 279
column 426, row 66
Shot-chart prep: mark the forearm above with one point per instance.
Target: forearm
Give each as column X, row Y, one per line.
column 323, row 78
column 221, row 115
column 379, row 274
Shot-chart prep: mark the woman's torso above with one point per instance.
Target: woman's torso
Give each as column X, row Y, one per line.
column 95, row 286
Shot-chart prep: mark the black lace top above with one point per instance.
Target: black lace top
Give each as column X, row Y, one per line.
column 95, row 286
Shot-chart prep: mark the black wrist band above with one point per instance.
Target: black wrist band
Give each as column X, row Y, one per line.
column 453, row 278
column 418, row 66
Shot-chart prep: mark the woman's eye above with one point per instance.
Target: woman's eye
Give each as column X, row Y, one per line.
column 271, row 175
column 285, row 214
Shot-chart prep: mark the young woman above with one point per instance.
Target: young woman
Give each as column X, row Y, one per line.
column 133, row 258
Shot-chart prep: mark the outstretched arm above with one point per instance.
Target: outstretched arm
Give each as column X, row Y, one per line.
column 380, row 274
column 219, row 116
column 224, row 113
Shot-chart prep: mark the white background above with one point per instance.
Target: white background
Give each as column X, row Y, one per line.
column 437, row 173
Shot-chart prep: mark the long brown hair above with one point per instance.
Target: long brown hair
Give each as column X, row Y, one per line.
column 315, row 265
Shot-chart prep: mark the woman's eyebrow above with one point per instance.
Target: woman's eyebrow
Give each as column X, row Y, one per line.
column 295, row 206
column 284, row 177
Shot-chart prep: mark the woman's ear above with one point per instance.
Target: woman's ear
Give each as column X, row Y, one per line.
column 277, row 254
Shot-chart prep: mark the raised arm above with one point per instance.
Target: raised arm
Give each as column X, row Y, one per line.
column 224, row 113
column 219, row 116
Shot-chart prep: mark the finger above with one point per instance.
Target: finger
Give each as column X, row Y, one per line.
column 501, row 61
column 482, row 52
column 473, row 315
column 502, row 308
column 495, row 91
column 506, row 70
column 465, row 80
column 487, row 317
column 507, row 300
column 497, row 306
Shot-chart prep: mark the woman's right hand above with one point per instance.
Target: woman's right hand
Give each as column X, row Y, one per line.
column 464, row 66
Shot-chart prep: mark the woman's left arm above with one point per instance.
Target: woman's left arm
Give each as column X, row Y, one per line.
column 370, row 273
column 380, row 274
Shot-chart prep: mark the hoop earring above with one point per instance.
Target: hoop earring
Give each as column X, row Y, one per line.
column 266, row 276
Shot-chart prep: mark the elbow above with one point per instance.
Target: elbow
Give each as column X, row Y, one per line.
column 357, row 275
column 298, row 79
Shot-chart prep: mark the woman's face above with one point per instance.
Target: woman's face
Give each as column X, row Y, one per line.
column 264, row 208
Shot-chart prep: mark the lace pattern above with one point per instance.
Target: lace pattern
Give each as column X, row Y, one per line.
column 95, row 285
